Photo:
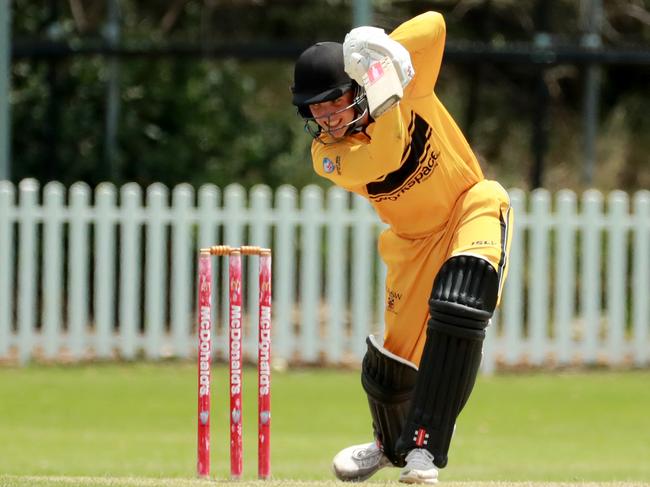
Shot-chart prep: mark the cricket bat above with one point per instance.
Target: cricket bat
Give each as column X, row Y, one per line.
column 383, row 87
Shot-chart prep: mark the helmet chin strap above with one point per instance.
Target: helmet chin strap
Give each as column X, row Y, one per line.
column 361, row 107
column 358, row 125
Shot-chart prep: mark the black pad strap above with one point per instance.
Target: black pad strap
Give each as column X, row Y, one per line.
column 462, row 301
column 388, row 381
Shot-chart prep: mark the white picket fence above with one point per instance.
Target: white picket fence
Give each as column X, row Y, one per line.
column 85, row 277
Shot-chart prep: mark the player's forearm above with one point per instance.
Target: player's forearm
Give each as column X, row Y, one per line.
column 424, row 38
column 424, row 32
column 387, row 141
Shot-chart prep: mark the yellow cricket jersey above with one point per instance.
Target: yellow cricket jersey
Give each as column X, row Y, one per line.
column 413, row 162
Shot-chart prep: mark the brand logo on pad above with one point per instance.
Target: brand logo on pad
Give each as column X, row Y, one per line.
column 328, row 165
column 421, row 437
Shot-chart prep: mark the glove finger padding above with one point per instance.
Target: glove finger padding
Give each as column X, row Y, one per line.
column 373, row 44
column 355, row 59
column 400, row 57
column 356, row 65
column 355, row 40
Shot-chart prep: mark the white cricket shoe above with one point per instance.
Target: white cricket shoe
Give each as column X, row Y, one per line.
column 419, row 468
column 359, row 462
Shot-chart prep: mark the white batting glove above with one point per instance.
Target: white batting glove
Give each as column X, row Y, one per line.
column 356, row 57
column 364, row 45
column 385, row 46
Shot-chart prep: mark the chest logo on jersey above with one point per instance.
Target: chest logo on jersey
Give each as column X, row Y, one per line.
column 328, row 165
column 419, row 160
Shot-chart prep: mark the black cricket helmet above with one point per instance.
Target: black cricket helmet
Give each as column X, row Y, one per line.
column 319, row 76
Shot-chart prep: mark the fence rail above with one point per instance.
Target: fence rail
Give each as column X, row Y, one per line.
column 111, row 273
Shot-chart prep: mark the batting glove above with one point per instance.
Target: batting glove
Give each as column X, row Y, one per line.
column 364, row 45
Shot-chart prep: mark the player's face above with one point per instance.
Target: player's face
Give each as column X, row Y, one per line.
column 334, row 116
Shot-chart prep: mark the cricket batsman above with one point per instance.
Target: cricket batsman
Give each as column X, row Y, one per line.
column 446, row 245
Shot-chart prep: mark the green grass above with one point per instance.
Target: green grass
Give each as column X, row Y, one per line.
column 138, row 421
column 12, row 481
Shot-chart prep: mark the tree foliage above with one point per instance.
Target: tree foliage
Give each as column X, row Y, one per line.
column 199, row 120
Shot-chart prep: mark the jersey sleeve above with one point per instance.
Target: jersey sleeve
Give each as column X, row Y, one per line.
column 424, row 38
column 352, row 163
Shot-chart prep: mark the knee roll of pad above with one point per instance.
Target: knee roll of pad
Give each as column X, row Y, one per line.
column 388, row 381
column 462, row 301
column 464, row 292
